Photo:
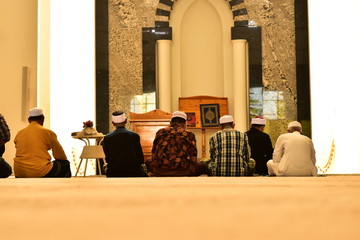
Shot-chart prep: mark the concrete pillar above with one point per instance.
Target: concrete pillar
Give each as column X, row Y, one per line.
column 164, row 74
column 241, row 84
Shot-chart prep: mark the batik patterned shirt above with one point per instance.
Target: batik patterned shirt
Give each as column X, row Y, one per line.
column 173, row 147
column 4, row 129
column 229, row 153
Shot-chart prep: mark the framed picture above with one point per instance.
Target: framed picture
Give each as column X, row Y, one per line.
column 191, row 119
column 209, row 115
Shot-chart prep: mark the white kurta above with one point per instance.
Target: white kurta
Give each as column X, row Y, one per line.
column 294, row 155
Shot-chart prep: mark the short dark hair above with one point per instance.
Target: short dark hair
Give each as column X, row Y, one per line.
column 257, row 125
column 117, row 113
column 229, row 124
column 178, row 120
column 36, row 118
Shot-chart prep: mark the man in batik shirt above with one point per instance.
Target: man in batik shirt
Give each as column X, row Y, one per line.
column 174, row 150
column 5, row 168
column 230, row 151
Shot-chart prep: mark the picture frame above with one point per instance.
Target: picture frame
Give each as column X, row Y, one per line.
column 209, row 115
column 191, row 119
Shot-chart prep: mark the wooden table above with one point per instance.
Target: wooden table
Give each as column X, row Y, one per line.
column 91, row 151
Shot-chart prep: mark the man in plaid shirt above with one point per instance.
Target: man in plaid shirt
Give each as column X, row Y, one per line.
column 5, row 168
column 230, row 151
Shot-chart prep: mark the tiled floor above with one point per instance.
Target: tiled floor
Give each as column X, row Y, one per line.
column 326, row 207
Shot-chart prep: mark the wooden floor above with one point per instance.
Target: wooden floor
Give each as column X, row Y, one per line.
column 326, row 207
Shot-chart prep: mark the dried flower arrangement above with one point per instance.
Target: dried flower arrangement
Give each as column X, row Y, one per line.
column 88, row 124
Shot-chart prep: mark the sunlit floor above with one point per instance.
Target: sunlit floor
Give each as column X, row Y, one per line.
column 326, row 207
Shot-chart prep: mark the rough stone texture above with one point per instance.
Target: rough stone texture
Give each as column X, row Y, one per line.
column 278, row 49
column 126, row 19
column 181, row 208
column 276, row 17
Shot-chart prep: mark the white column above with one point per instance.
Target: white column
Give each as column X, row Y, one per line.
column 43, row 64
column 164, row 71
column 241, row 86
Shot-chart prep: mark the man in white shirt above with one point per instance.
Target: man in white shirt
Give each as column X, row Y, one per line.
column 294, row 154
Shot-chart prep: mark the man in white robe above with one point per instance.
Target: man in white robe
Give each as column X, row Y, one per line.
column 294, row 154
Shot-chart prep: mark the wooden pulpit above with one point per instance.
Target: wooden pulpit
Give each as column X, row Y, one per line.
column 146, row 125
column 198, row 118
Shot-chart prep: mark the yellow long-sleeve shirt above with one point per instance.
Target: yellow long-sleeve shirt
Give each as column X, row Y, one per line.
column 32, row 145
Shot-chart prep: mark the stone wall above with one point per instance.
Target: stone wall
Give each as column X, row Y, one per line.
column 276, row 17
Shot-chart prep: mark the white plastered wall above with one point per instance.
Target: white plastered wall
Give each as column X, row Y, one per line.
column 192, row 21
column 18, row 40
column 60, row 65
column 201, row 53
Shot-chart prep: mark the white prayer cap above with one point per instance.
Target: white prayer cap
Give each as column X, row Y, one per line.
column 258, row 121
column 179, row 114
column 119, row 118
column 226, row 119
column 294, row 124
column 34, row 112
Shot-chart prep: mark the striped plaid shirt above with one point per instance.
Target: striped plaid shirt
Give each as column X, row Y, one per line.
column 4, row 130
column 230, row 151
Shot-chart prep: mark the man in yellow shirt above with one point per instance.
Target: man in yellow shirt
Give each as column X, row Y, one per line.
column 32, row 145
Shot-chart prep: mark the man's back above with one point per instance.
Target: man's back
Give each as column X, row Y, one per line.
column 230, row 151
column 295, row 154
column 4, row 134
column 261, row 149
column 173, row 148
column 124, row 154
column 32, row 145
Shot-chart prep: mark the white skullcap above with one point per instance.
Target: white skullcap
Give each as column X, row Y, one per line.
column 179, row 114
column 226, row 119
column 258, row 121
column 119, row 118
column 294, row 124
column 34, row 112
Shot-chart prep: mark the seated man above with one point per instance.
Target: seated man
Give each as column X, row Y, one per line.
column 122, row 149
column 174, row 150
column 5, row 168
column 260, row 144
column 32, row 145
column 230, row 151
column 294, row 154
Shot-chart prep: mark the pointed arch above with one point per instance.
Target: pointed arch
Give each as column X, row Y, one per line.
column 165, row 7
